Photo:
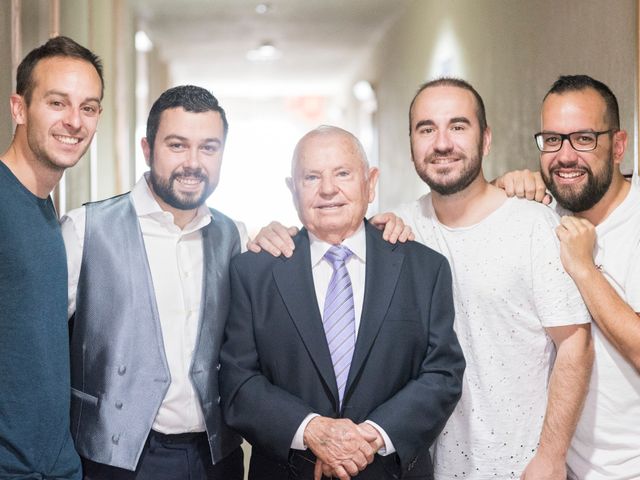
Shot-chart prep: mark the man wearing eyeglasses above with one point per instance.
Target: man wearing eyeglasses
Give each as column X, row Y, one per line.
column 582, row 147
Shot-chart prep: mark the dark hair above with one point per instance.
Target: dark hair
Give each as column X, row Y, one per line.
column 55, row 47
column 191, row 98
column 459, row 83
column 576, row 83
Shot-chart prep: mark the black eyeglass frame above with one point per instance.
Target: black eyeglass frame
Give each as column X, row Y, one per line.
column 567, row 136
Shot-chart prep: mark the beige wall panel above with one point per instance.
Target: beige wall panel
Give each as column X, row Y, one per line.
column 6, row 126
column 74, row 23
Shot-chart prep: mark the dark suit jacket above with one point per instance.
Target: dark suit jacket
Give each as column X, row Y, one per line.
column 406, row 371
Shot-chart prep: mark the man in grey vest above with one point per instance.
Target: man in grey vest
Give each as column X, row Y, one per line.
column 148, row 283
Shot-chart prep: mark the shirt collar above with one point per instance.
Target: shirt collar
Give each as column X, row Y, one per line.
column 147, row 206
column 357, row 243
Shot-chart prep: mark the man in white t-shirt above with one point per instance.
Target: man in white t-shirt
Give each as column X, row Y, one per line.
column 516, row 308
column 599, row 247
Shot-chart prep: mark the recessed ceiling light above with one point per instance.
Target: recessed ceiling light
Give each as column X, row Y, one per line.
column 363, row 91
column 143, row 42
column 262, row 8
column 265, row 52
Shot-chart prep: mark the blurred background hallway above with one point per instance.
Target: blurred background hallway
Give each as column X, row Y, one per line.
column 282, row 67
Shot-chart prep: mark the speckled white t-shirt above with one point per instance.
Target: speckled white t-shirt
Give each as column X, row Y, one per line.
column 508, row 284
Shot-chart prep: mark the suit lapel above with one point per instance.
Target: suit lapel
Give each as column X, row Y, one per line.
column 294, row 280
column 382, row 272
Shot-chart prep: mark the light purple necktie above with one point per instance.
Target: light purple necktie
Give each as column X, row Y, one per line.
column 339, row 316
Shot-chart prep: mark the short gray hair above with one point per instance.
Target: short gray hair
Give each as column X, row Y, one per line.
column 326, row 130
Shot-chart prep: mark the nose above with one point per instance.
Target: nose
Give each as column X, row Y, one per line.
column 192, row 158
column 327, row 186
column 73, row 118
column 443, row 141
column 567, row 152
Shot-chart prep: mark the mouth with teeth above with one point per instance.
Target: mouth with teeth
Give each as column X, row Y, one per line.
column 67, row 140
column 443, row 160
column 569, row 175
column 190, row 181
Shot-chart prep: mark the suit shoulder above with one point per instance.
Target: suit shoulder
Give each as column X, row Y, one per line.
column 264, row 261
column 255, row 265
column 418, row 250
column 248, row 260
column 415, row 251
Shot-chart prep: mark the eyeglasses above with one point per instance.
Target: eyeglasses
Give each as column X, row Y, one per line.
column 548, row 142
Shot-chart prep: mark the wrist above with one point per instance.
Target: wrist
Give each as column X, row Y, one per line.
column 584, row 271
column 553, row 453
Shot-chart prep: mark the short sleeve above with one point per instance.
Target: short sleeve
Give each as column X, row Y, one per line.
column 557, row 299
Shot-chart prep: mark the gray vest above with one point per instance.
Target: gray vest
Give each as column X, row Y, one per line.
column 119, row 373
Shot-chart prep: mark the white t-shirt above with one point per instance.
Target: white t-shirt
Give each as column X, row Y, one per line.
column 508, row 285
column 607, row 441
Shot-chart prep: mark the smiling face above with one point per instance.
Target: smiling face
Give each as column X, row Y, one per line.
column 186, row 158
column 447, row 144
column 63, row 113
column 331, row 184
column 579, row 180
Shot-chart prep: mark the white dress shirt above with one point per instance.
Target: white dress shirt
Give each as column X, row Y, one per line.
column 322, row 270
column 175, row 259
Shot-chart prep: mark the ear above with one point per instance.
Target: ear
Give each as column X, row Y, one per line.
column 620, row 139
column 486, row 145
column 374, row 173
column 290, row 185
column 18, row 108
column 146, row 151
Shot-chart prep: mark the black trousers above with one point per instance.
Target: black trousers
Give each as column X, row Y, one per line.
column 172, row 457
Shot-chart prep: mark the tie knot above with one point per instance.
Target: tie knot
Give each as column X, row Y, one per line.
column 337, row 254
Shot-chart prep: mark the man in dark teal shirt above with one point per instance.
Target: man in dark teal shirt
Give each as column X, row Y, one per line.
column 56, row 109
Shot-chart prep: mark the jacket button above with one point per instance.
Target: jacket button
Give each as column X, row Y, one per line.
column 218, row 367
column 115, row 439
column 218, row 400
column 122, row 369
column 119, row 405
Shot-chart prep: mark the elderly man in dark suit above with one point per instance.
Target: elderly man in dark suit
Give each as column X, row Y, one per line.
column 342, row 359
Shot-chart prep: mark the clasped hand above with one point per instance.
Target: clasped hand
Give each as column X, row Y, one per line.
column 342, row 448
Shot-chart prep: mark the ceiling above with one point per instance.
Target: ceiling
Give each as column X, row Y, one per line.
column 323, row 42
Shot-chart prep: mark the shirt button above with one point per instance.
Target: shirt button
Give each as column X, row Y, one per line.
column 122, row 369
column 119, row 405
column 115, row 439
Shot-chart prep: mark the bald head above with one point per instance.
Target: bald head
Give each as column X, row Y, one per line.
column 331, row 183
column 329, row 133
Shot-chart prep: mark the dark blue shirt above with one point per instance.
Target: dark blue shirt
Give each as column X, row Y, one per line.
column 35, row 441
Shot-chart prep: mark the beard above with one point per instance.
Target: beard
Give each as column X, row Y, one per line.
column 576, row 198
column 454, row 185
column 164, row 188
